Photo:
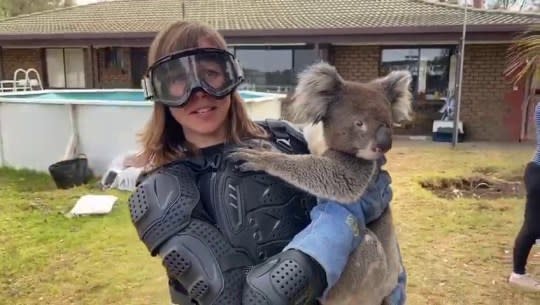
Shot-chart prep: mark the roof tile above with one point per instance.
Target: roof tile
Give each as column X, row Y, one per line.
column 124, row 16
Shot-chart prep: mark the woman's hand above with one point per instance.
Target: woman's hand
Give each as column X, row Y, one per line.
column 375, row 200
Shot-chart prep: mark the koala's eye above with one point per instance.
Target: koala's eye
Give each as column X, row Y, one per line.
column 359, row 123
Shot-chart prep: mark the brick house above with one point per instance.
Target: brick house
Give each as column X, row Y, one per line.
column 104, row 45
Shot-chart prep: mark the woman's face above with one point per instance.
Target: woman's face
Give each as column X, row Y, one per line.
column 203, row 117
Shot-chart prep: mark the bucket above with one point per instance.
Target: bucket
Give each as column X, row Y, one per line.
column 71, row 172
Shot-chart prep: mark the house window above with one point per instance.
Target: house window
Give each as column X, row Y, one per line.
column 65, row 68
column 302, row 58
column 432, row 69
column 115, row 58
column 273, row 69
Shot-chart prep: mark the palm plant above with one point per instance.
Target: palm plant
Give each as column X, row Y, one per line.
column 523, row 62
column 524, row 56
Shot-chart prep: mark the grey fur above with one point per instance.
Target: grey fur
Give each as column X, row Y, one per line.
column 340, row 176
column 396, row 84
column 335, row 171
column 318, row 87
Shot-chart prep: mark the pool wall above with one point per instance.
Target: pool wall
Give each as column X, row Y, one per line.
column 36, row 133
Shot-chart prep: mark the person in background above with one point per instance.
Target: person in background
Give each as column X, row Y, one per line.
column 530, row 229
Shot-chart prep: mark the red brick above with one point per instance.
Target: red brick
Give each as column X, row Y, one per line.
column 13, row 59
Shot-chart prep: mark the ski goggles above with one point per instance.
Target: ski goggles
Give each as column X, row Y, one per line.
column 172, row 79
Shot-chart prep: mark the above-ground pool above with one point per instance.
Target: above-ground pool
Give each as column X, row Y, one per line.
column 37, row 127
column 107, row 96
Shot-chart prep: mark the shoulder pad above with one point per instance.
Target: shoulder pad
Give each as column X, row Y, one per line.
column 288, row 138
column 162, row 204
column 165, row 167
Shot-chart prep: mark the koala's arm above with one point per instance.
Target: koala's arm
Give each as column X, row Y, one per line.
column 334, row 175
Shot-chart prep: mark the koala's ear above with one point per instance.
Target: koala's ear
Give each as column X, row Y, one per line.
column 396, row 87
column 318, row 86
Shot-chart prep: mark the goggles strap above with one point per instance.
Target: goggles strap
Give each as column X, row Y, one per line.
column 148, row 90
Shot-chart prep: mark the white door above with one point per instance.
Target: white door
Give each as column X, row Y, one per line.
column 74, row 68
column 55, row 68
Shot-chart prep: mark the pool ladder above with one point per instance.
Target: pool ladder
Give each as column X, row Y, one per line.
column 25, row 84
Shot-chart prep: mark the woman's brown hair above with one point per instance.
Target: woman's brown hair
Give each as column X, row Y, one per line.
column 162, row 138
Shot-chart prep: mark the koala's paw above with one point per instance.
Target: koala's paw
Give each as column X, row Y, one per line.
column 252, row 160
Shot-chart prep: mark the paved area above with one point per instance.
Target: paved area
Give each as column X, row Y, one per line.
column 401, row 140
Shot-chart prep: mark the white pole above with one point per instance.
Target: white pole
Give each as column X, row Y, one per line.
column 2, row 157
column 455, row 132
column 73, row 142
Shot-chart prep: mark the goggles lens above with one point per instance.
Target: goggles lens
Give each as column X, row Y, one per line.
column 174, row 78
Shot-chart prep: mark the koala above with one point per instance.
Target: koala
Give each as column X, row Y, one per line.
column 349, row 127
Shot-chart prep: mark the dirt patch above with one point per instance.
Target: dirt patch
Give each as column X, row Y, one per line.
column 479, row 187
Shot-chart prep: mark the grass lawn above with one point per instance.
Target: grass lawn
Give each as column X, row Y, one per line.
column 456, row 251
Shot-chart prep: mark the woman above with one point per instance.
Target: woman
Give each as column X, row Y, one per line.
column 210, row 223
column 530, row 230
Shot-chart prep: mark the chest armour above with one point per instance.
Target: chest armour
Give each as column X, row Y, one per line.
column 258, row 214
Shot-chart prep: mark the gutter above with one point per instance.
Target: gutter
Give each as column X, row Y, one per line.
column 494, row 28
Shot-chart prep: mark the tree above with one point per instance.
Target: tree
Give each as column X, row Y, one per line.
column 504, row 3
column 12, row 8
column 515, row 5
column 512, row 5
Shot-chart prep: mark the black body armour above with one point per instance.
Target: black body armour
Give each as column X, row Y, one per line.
column 210, row 222
column 257, row 213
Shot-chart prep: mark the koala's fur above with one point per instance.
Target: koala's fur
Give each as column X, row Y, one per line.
column 345, row 117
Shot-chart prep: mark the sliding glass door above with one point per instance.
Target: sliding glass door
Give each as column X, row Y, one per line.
column 65, row 68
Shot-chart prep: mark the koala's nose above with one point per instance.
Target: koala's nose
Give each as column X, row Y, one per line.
column 383, row 139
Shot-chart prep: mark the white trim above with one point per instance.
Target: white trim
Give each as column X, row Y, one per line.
column 416, row 43
column 404, row 43
column 45, row 46
column 490, row 42
column 280, row 44
column 291, row 44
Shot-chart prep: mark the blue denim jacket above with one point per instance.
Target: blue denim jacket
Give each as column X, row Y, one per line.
column 330, row 238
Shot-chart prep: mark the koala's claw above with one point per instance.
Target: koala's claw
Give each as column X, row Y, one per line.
column 252, row 159
column 249, row 167
column 242, row 154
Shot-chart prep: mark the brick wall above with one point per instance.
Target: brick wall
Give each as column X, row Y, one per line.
column 13, row 59
column 488, row 111
column 358, row 63
column 485, row 111
column 111, row 76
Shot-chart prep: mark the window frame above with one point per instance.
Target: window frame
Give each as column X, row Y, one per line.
column 452, row 48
